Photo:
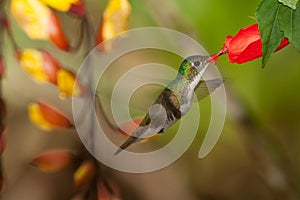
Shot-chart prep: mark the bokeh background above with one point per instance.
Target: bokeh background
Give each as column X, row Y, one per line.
column 256, row 157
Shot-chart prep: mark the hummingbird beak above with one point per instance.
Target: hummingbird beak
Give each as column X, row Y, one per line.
column 208, row 61
column 205, row 64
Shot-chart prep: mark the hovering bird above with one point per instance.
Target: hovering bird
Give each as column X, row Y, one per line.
column 175, row 100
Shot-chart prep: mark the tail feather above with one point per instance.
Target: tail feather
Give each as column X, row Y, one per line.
column 126, row 144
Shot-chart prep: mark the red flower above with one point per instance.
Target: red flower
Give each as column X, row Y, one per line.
column 245, row 46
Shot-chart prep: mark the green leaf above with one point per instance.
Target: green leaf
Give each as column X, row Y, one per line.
column 289, row 21
column 290, row 3
column 267, row 17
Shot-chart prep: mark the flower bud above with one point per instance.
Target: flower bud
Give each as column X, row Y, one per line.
column 53, row 161
column 47, row 117
column 40, row 65
column 67, row 84
column 84, row 174
column 39, row 22
column 114, row 20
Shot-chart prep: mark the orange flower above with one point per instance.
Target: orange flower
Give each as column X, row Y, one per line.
column 38, row 21
column 53, row 161
column 68, row 84
column 114, row 20
column 47, row 117
column 84, row 174
column 40, row 65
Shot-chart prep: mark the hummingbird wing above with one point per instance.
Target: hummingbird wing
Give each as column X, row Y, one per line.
column 162, row 114
column 204, row 88
column 172, row 106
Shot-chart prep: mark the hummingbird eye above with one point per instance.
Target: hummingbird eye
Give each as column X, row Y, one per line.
column 196, row 63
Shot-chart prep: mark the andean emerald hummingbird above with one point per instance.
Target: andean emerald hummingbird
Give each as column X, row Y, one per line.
column 175, row 100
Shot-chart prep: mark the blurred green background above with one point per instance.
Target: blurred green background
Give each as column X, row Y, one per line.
column 257, row 155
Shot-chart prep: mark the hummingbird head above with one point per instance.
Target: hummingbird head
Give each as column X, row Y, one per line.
column 193, row 65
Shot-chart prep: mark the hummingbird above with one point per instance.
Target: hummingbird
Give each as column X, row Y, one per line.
column 175, row 100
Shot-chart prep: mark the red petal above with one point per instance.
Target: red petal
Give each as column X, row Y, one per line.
column 56, row 33
column 78, row 9
column 243, row 38
column 51, row 66
column 53, row 161
column 283, row 44
column 100, row 37
column 246, row 40
column 54, row 116
column 253, row 51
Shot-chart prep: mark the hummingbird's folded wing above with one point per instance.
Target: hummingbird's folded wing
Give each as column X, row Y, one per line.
column 204, row 88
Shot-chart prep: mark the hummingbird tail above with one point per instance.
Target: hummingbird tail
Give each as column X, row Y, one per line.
column 126, row 144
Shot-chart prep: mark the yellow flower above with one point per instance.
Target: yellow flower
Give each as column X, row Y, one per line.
column 84, row 174
column 60, row 5
column 33, row 16
column 47, row 117
column 39, row 64
column 67, row 84
column 114, row 20
column 32, row 62
column 38, row 21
